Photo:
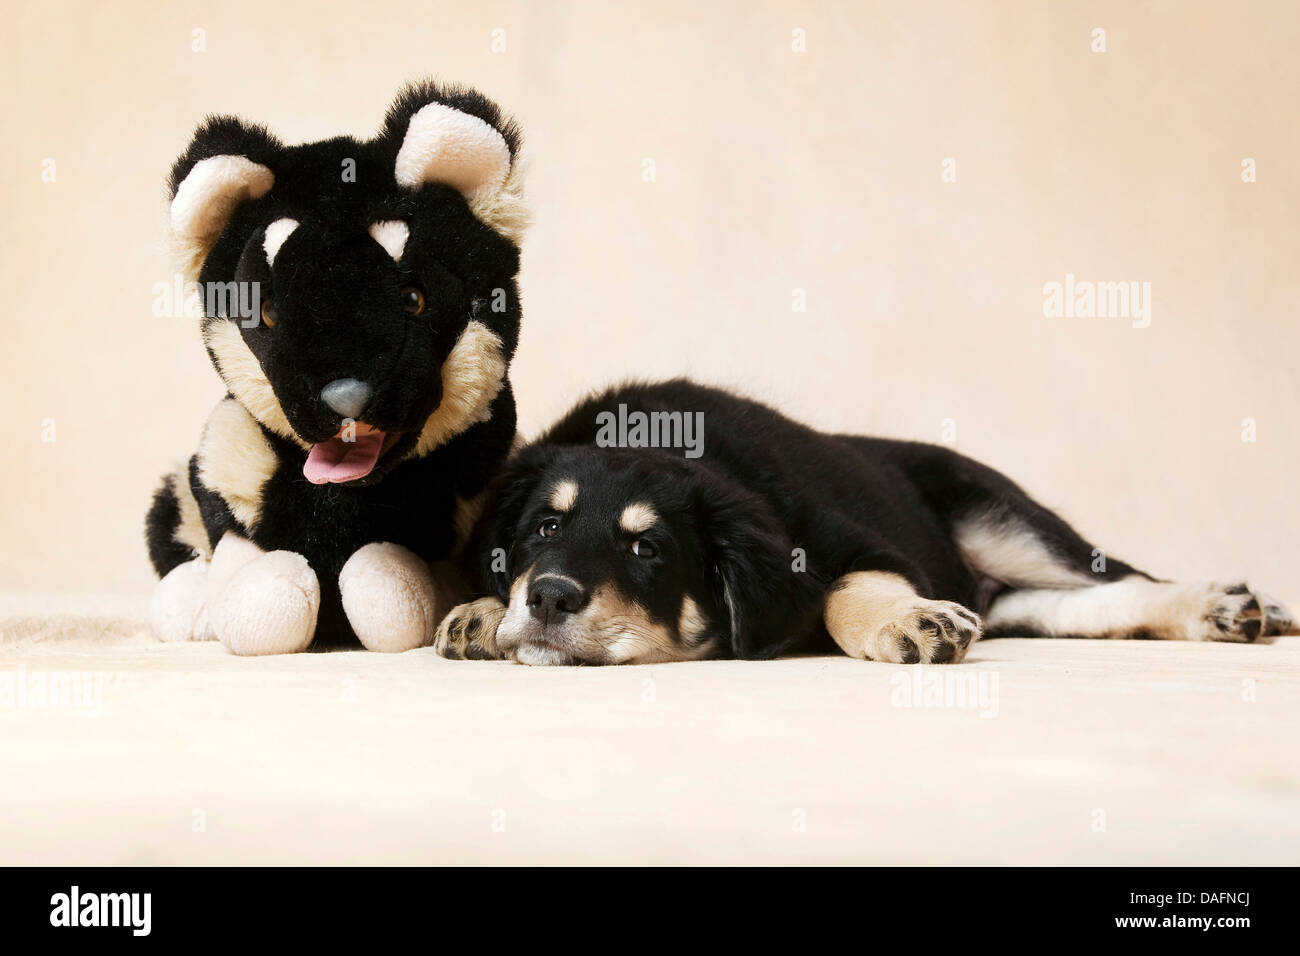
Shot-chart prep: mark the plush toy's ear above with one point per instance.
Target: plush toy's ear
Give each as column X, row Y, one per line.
column 227, row 163
column 456, row 136
column 444, row 145
column 769, row 603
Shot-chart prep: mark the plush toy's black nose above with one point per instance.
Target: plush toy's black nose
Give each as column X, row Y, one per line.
column 347, row 396
column 552, row 599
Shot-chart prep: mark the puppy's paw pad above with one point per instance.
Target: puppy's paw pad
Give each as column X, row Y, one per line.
column 1278, row 618
column 933, row 632
column 469, row 631
column 1233, row 613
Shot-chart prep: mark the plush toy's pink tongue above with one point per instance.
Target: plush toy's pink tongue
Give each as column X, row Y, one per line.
column 342, row 460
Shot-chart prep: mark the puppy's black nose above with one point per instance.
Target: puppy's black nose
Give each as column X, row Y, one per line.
column 551, row 599
column 347, row 396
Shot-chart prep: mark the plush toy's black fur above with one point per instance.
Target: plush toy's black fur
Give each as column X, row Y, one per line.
column 340, row 315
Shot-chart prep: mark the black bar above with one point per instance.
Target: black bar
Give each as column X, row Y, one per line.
column 252, row 905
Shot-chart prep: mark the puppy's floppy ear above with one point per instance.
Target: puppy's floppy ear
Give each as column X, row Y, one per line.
column 227, row 163
column 767, row 601
column 458, row 137
column 512, row 491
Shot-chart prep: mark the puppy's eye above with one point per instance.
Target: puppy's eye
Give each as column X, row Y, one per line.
column 412, row 299
column 549, row 529
column 269, row 314
column 644, row 549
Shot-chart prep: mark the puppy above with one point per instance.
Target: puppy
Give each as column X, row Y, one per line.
column 769, row 537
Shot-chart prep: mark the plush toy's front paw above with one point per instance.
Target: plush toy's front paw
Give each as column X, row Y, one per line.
column 390, row 598
column 268, row 606
column 177, row 611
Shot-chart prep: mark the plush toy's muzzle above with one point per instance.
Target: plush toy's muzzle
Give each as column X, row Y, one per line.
column 355, row 348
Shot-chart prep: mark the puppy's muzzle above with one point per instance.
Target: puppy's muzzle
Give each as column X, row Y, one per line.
column 553, row 599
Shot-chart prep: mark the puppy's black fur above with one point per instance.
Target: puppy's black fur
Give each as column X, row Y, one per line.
column 758, row 533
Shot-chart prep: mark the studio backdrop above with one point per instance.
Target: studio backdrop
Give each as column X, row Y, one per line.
column 1057, row 236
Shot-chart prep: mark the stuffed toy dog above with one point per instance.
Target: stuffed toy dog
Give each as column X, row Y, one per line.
column 361, row 307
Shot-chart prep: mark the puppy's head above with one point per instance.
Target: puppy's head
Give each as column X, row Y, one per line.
column 609, row 556
column 359, row 296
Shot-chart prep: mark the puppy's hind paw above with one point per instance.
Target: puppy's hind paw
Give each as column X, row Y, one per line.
column 1233, row 614
column 1278, row 618
column 469, row 632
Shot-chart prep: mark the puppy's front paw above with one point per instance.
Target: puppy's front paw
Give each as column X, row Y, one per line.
column 469, row 631
column 928, row 632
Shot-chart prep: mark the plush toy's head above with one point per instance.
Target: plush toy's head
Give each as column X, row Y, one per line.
column 360, row 296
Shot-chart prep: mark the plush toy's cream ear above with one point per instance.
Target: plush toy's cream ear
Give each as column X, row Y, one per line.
column 445, row 145
column 209, row 193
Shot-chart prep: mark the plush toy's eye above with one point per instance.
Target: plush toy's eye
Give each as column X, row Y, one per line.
column 644, row 549
column 549, row 529
column 412, row 299
column 269, row 314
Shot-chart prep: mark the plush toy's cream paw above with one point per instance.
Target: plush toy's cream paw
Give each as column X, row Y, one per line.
column 231, row 554
column 390, row 598
column 268, row 606
column 177, row 610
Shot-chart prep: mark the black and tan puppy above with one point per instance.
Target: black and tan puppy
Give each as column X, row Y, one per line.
column 767, row 537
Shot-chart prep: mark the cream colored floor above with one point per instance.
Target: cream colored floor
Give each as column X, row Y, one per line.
column 1089, row 753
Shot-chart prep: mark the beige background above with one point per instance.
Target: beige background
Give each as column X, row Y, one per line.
column 775, row 171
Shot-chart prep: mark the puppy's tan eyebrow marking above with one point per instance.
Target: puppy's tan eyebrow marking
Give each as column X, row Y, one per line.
column 564, row 494
column 637, row 517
